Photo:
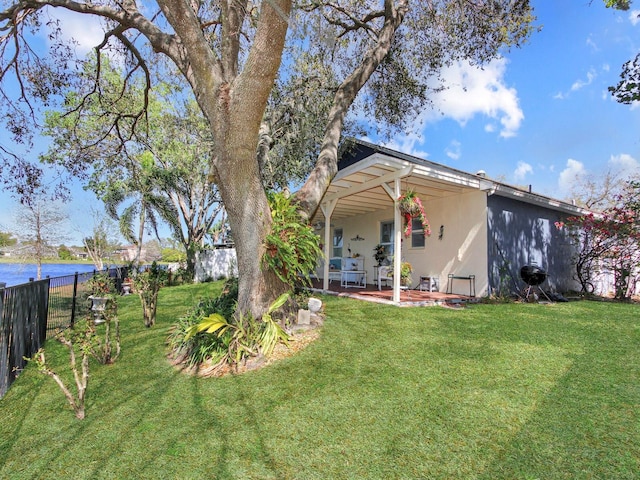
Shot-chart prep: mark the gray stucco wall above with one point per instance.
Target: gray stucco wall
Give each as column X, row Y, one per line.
column 523, row 234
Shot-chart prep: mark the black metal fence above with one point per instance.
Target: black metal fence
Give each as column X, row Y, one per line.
column 30, row 312
column 23, row 327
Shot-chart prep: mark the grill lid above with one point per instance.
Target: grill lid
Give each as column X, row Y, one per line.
column 533, row 275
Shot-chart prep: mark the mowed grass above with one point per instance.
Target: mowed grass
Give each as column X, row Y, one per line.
column 517, row 391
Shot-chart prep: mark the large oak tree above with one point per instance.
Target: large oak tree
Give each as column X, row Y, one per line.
column 388, row 53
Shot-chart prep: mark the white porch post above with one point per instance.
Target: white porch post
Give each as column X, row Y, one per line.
column 397, row 232
column 327, row 209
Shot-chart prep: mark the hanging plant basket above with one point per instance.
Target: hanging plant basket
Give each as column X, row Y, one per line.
column 411, row 207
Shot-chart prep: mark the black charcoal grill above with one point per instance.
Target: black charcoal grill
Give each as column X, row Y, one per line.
column 533, row 276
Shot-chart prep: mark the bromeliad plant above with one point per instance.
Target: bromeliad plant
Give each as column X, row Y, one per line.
column 411, row 207
column 242, row 337
column 292, row 247
column 195, row 349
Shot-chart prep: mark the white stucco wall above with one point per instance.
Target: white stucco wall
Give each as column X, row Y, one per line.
column 462, row 249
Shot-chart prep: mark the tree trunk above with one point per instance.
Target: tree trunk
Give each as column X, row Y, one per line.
column 250, row 220
column 234, row 105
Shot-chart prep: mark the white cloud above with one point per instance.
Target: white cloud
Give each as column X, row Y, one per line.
column 408, row 144
column 454, row 150
column 634, row 17
column 581, row 83
column 625, row 163
column 573, row 171
column 471, row 90
column 522, row 170
column 578, row 84
column 85, row 30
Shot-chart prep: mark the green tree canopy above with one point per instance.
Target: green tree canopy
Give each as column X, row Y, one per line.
column 7, row 239
column 385, row 57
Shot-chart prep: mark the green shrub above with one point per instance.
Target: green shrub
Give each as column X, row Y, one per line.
column 213, row 332
column 198, row 348
column 242, row 335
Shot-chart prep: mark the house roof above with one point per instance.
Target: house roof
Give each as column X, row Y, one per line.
column 366, row 171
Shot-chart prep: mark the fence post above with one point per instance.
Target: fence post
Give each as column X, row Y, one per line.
column 73, row 299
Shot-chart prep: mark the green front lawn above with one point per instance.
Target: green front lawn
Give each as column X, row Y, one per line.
column 516, row 391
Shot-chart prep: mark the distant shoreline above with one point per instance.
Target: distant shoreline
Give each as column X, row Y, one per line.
column 44, row 262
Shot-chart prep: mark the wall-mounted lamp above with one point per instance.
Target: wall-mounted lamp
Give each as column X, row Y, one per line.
column 441, row 233
column 357, row 238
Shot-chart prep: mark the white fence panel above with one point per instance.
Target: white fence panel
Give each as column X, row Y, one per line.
column 215, row 264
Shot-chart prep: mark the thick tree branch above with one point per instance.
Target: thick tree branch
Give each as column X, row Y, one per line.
column 310, row 195
column 201, row 67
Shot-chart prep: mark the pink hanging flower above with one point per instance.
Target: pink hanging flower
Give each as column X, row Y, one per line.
column 411, row 207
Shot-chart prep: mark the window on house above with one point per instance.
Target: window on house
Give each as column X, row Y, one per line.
column 386, row 237
column 417, row 233
column 337, row 242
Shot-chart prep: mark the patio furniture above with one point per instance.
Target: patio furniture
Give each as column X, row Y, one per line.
column 385, row 273
column 335, row 267
column 353, row 272
column 470, row 278
column 353, row 278
column 429, row 283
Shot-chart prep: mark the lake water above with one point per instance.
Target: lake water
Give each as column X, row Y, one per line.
column 19, row 273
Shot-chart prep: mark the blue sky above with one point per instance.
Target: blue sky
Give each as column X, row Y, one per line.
column 542, row 114
column 539, row 116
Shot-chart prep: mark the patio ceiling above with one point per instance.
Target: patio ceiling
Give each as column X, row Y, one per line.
column 358, row 189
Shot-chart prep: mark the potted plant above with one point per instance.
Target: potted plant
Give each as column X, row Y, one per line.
column 101, row 290
column 127, row 283
column 411, row 207
column 405, row 274
column 105, row 310
column 379, row 253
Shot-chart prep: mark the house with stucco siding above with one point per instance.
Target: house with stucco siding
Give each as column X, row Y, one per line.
column 480, row 228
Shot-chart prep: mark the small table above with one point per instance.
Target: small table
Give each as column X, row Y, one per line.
column 470, row 278
column 353, row 278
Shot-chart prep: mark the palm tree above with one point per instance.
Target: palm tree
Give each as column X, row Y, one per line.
column 145, row 206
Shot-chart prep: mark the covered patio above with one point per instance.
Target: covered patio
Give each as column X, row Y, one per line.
column 407, row 297
column 368, row 186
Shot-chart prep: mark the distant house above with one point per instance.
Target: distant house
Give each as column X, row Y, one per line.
column 79, row 252
column 480, row 227
column 128, row 253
